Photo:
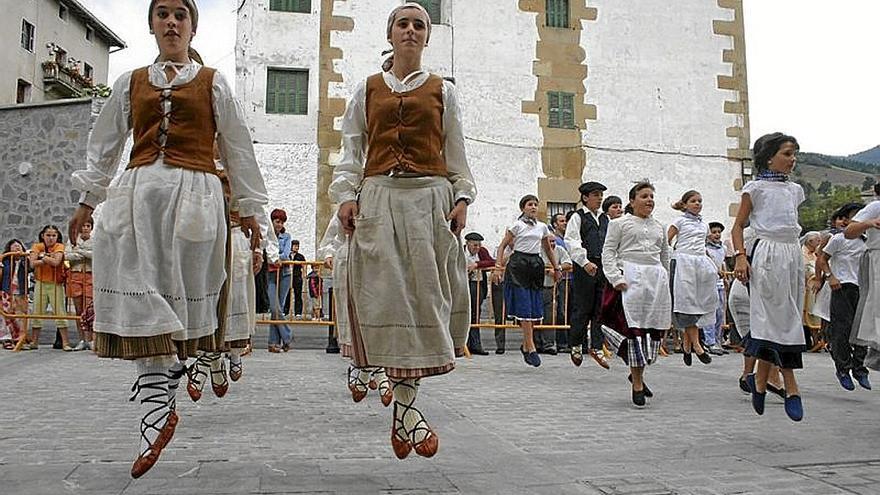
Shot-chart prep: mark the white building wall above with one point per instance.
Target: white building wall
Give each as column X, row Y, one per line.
column 652, row 76
column 284, row 144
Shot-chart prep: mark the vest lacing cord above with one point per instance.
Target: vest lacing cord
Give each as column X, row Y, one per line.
column 165, row 105
column 161, row 414
column 399, row 152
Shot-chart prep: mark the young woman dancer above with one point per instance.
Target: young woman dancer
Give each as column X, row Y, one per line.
column 334, row 251
column 693, row 276
column 524, row 275
column 774, row 269
column 162, row 235
column 405, row 154
column 866, row 323
column 638, row 310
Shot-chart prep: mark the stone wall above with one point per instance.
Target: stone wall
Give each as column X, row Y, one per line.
column 40, row 145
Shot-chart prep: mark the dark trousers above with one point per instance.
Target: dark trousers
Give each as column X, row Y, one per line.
column 297, row 298
column 473, row 341
column 847, row 357
column 586, row 301
column 498, row 310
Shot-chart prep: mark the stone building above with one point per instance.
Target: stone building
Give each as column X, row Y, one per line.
column 52, row 49
column 554, row 92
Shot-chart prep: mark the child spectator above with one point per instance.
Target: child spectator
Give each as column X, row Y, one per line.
column 47, row 258
column 13, row 291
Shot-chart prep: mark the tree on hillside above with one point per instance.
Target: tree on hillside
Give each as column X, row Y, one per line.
column 824, row 188
column 868, row 183
column 815, row 212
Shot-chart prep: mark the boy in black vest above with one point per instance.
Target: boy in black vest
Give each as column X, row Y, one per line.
column 585, row 236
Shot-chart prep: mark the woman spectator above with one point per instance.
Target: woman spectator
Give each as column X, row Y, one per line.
column 13, row 290
column 279, row 285
column 79, row 280
column 47, row 258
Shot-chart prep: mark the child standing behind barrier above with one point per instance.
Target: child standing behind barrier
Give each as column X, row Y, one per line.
column 46, row 257
column 13, row 291
column 79, row 280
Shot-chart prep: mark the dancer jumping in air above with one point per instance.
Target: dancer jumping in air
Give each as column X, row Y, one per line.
column 160, row 245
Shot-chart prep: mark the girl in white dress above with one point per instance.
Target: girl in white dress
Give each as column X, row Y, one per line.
column 774, row 269
column 160, row 246
column 638, row 310
column 694, row 276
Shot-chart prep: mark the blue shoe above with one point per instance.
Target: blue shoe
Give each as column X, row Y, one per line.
column 744, row 386
column 757, row 397
column 845, row 380
column 532, row 358
column 863, row 381
column 794, row 408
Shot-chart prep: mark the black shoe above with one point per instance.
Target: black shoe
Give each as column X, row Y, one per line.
column 551, row 351
column 744, row 386
column 332, row 350
column 704, row 358
column 639, row 398
column 687, row 358
column 776, row 390
column 478, row 352
column 645, row 388
column 499, row 350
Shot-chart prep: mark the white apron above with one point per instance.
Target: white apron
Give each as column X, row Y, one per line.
column 647, row 302
column 866, row 324
column 241, row 309
column 695, row 287
column 777, row 292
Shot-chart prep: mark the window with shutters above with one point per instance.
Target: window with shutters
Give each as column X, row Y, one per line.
column 27, row 35
column 23, row 91
column 554, row 208
column 301, row 6
column 557, row 13
column 287, row 91
column 434, row 8
column 561, row 109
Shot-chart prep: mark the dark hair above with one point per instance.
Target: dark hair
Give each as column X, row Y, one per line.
column 569, row 214
column 555, row 218
column 89, row 220
column 767, row 146
column 628, row 209
column 525, row 199
column 47, row 227
column 877, row 189
column 716, row 225
column 10, row 243
column 610, row 200
column 294, row 242
column 643, row 184
column 681, row 204
column 847, row 210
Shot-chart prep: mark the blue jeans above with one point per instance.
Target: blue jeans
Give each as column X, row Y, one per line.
column 278, row 288
column 713, row 333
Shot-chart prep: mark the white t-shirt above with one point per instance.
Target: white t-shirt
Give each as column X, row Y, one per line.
column 691, row 237
column 845, row 257
column 775, row 209
column 867, row 213
column 527, row 238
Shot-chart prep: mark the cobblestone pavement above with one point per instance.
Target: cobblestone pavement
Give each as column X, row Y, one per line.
column 290, row 427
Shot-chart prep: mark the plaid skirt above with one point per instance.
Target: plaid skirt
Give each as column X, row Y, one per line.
column 638, row 347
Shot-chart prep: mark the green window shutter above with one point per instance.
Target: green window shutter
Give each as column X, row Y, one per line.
column 271, row 93
column 567, row 110
column 301, row 106
column 553, row 108
column 434, row 9
column 557, row 13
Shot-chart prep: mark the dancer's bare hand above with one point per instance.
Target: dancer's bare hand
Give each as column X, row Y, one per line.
column 591, row 268
column 328, row 262
column 742, row 270
column 458, row 217
column 621, row 287
column 256, row 260
column 834, row 283
column 346, row 213
column 80, row 216
column 874, row 222
column 251, row 229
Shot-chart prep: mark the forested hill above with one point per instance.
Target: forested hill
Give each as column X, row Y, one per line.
column 870, row 156
column 847, row 163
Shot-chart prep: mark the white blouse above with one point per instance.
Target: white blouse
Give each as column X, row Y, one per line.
column 113, row 126
column 775, row 209
column 636, row 240
column 691, row 237
column 527, row 237
column 867, row 213
column 349, row 172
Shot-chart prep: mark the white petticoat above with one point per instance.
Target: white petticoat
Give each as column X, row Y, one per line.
column 241, row 309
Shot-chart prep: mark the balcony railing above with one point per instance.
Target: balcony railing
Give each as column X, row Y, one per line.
column 64, row 81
